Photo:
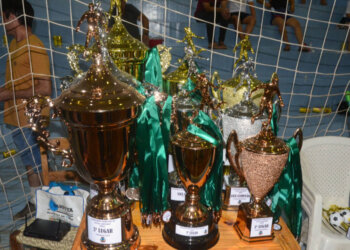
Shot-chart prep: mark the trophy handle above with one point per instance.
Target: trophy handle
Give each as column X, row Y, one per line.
column 299, row 133
column 234, row 138
column 39, row 123
column 216, row 93
column 75, row 51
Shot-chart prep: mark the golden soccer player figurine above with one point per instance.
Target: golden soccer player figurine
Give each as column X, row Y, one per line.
column 245, row 47
column 188, row 39
column 270, row 90
column 118, row 4
column 94, row 19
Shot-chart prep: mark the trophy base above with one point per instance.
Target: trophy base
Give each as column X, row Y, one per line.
column 177, row 192
column 133, row 243
column 234, row 196
column 174, row 234
column 109, row 222
column 226, row 200
column 251, row 228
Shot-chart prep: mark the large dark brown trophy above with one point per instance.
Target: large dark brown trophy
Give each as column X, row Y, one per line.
column 100, row 112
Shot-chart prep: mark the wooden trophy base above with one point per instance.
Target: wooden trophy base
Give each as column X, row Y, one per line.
column 254, row 229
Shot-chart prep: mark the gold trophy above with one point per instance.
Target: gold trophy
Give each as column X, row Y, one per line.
column 127, row 52
column 260, row 161
column 100, row 112
column 192, row 226
column 174, row 81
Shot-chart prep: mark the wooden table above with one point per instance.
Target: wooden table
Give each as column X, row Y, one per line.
column 151, row 238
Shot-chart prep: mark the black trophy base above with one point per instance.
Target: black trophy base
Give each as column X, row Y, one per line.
column 191, row 242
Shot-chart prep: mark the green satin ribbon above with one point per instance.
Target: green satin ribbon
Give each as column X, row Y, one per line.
column 287, row 193
column 152, row 164
column 274, row 124
column 153, row 68
column 189, row 86
column 166, row 116
column 211, row 191
column 347, row 97
column 193, row 129
column 150, row 174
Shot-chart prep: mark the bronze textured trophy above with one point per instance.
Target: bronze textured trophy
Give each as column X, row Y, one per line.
column 260, row 161
column 192, row 226
column 100, row 112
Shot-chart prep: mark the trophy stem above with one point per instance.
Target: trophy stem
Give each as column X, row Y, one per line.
column 256, row 207
column 192, row 196
column 106, row 186
column 192, row 211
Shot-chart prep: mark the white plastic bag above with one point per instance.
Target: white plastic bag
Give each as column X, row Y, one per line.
column 61, row 202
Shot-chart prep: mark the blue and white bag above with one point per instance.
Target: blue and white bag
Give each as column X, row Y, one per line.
column 61, row 202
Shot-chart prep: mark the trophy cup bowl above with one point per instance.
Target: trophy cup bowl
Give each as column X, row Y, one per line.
column 192, row 226
column 260, row 160
column 100, row 113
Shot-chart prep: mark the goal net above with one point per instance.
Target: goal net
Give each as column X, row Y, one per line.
column 313, row 84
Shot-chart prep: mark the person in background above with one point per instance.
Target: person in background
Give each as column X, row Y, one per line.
column 27, row 74
column 239, row 16
column 322, row 2
column 209, row 13
column 345, row 24
column 130, row 16
column 279, row 19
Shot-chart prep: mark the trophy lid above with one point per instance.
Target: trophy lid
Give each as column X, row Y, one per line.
column 179, row 75
column 243, row 109
column 123, row 47
column 187, row 140
column 265, row 143
column 99, row 91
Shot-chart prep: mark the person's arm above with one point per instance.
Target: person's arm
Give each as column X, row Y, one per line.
column 252, row 9
column 42, row 87
column 145, row 28
column 292, row 6
column 208, row 8
column 224, row 10
column 80, row 22
column 267, row 3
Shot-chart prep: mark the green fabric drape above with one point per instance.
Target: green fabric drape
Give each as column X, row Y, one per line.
column 151, row 174
column 287, row 193
column 347, row 97
column 211, row 191
column 274, row 125
column 153, row 68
